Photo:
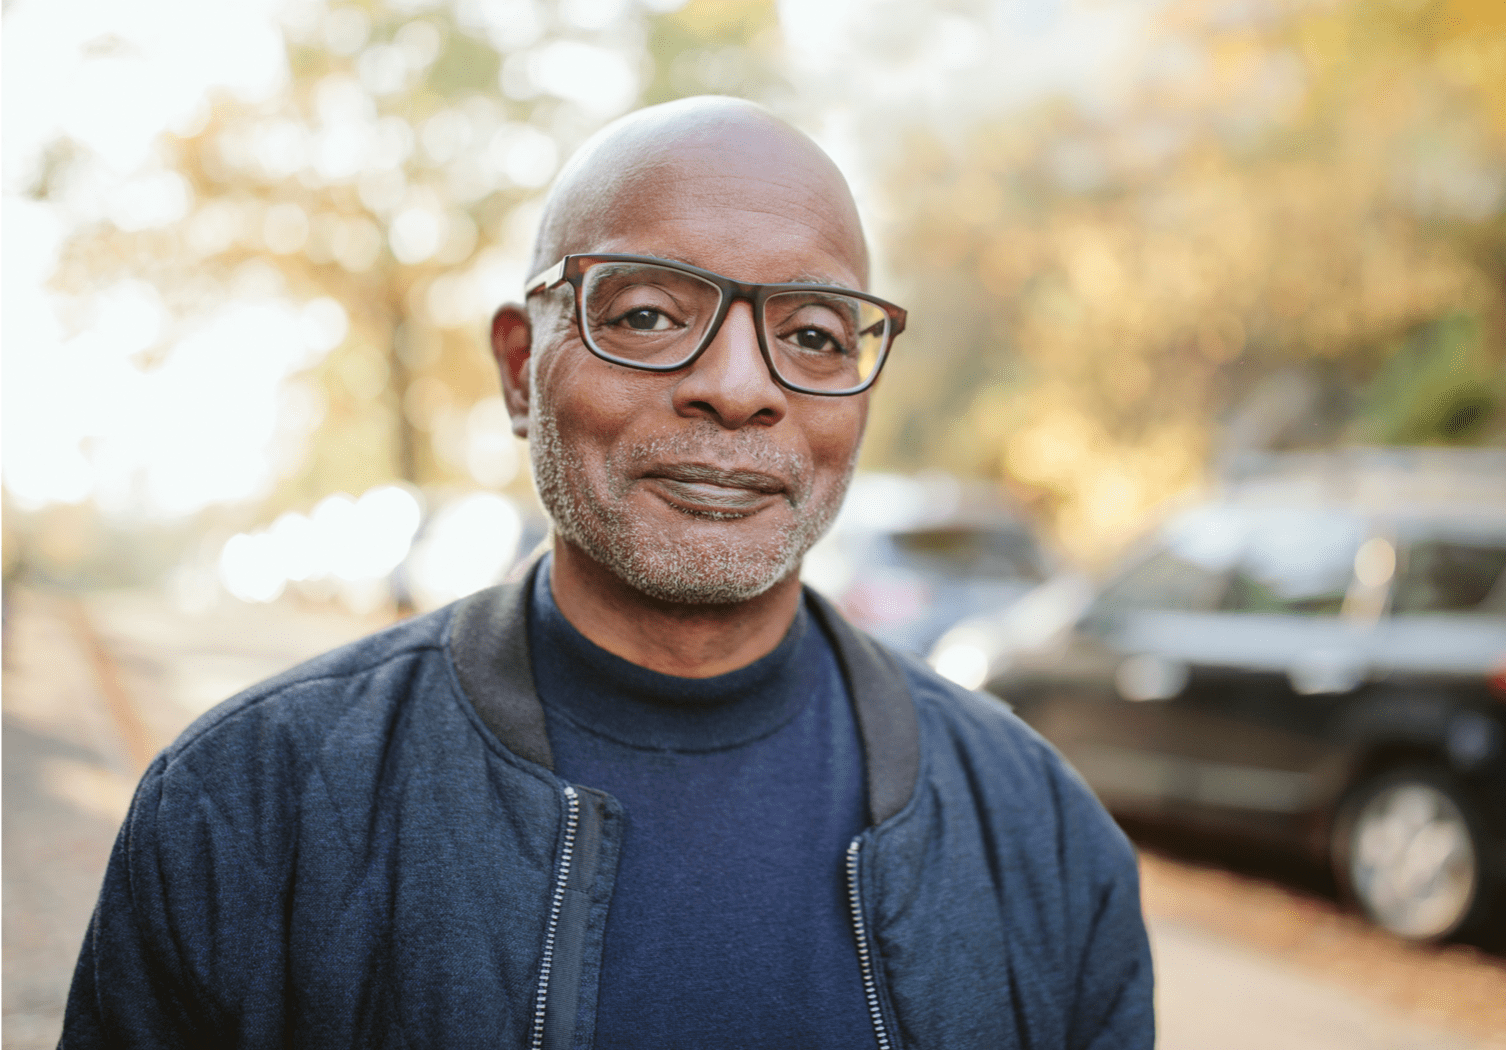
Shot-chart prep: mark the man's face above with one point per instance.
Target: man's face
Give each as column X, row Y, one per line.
column 707, row 484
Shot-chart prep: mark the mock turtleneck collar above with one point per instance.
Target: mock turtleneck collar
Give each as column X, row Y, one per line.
column 617, row 699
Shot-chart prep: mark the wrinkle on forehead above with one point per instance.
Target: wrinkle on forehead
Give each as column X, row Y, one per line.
column 717, row 150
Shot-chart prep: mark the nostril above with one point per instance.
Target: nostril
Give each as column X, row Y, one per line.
column 730, row 416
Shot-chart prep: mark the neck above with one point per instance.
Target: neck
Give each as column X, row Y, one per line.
column 691, row 641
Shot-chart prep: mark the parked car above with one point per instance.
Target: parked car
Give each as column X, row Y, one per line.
column 909, row 557
column 1318, row 677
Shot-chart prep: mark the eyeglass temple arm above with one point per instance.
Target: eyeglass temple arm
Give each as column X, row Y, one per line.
column 546, row 280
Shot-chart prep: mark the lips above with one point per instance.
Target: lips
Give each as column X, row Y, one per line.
column 703, row 489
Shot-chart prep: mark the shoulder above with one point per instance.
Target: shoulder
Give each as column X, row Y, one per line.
column 974, row 743
column 1005, row 863
column 985, row 728
column 301, row 764
column 341, row 692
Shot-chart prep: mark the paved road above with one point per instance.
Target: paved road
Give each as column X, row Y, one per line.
column 91, row 691
column 1216, row 993
column 93, row 688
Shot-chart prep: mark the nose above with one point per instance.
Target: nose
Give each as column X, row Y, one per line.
column 730, row 384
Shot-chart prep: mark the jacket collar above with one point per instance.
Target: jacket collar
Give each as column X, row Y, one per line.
column 489, row 648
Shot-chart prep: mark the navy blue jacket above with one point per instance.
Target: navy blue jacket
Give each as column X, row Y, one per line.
column 372, row 850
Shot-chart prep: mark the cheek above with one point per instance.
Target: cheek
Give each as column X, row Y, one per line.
column 835, row 435
column 591, row 402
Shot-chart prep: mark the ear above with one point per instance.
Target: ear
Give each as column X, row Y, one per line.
column 512, row 345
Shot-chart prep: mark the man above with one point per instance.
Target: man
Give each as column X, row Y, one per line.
column 654, row 795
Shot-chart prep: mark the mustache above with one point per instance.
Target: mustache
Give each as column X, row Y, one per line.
column 700, row 472
column 707, row 453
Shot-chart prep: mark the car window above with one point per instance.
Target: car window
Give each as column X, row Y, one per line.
column 1452, row 576
column 1295, row 561
column 1165, row 580
column 1005, row 554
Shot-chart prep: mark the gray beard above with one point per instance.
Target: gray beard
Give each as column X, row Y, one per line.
column 716, row 572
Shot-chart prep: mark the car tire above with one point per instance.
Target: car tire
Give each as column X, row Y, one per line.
column 1409, row 851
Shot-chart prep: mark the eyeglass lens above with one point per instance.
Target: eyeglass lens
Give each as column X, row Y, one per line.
column 660, row 317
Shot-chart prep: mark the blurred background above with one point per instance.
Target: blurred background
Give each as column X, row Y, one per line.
column 1157, row 254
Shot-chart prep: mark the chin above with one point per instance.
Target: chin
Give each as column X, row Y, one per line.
column 701, row 562
column 674, row 554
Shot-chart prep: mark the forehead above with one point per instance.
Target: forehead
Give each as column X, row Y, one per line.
column 756, row 208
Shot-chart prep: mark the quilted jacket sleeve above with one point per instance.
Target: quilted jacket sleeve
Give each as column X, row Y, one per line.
column 1112, row 1008
column 130, row 988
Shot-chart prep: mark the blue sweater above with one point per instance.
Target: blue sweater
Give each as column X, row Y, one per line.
column 740, row 794
column 374, row 850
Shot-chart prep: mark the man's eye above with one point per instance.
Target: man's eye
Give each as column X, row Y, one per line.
column 817, row 340
column 644, row 319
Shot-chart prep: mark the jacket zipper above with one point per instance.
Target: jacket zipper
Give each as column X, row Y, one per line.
column 865, row 955
column 561, row 880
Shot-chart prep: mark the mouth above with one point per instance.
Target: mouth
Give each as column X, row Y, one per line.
column 711, row 492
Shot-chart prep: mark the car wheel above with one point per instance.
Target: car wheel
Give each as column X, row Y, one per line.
column 1408, row 851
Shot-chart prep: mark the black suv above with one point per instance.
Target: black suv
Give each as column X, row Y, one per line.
column 1314, row 677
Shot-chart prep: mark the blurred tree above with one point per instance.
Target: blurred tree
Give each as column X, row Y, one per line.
column 717, row 47
column 393, row 187
column 388, row 160
column 1293, row 224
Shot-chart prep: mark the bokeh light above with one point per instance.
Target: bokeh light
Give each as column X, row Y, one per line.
column 469, row 545
column 354, row 545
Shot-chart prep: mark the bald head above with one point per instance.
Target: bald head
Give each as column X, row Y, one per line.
column 711, row 148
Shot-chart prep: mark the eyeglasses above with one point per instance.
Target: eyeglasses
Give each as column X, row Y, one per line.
column 660, row 316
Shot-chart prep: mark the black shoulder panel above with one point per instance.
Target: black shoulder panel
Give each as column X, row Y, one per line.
column 885, row 712
column 489, row 644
